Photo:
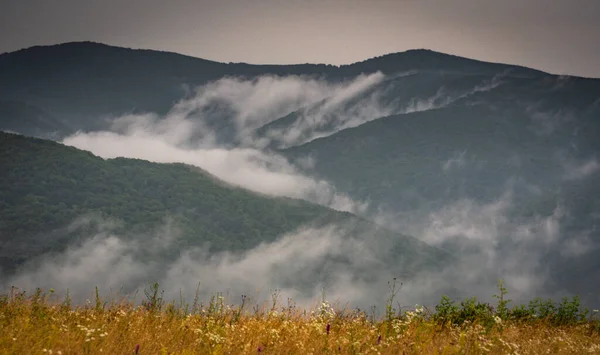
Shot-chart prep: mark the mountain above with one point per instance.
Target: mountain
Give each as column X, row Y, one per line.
column 497, row 164
column 85, row 84
column 532, row 170
column 403, row 93
column 440, row 154
column 427, row 60
column 30, row 120
column 46, row 186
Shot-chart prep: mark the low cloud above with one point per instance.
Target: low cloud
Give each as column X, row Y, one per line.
column 444, row 97
column 457, row 161
column 166, row 141
column 194, row 130
column 491, row 242
column 488, row 242
column 578, row 245
column 254, row 103
column 299, row 265
column 580, row 170
column 251, row 104
column 347, row 111
column 545, row 122
column 352, row 105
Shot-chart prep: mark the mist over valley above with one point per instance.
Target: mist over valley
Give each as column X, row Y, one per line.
column 121, row 167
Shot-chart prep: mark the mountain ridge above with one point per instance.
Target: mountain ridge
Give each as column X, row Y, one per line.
column 416, row 52
column 85, row 84
column 49, row 185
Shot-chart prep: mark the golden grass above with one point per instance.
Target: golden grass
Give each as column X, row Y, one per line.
column 35, row 325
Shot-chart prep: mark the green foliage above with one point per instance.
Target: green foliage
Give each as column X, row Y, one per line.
column 34, row 325
column 437, row 159
column 470, row 310
column 45, row 186
column 567, row 312
column 154, row 298
column 446, row 310
column 82, row 82
column 389, row 307
column 502, row 309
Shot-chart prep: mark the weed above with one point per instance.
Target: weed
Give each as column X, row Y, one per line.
column 34, row 324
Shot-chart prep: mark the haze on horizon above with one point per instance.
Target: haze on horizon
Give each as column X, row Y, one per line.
column 559, row 37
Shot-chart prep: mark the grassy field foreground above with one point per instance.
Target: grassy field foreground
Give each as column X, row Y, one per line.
column 35, row 324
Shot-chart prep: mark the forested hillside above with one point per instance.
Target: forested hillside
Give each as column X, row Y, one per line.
column 45, row 186
column 86, row 83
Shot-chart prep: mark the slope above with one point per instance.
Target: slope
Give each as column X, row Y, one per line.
column 405, row 93
column 536, row 153
column 470, row 144
column 30, row 120
column 45, row 186
column 85, row 84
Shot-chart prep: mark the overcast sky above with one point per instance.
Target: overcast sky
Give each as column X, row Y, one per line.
column 559, row 36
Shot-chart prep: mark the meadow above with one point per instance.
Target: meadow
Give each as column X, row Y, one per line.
column 41, row 323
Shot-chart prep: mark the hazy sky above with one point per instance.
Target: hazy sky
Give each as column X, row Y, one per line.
column 559, row 36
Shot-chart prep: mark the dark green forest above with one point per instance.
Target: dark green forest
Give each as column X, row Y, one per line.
column 45, row 186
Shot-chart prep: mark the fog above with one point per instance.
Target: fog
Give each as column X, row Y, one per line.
column 489, row 241
column 299, row 265
column 311, row 262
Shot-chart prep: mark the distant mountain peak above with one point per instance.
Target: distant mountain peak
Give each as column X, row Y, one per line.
column 420, row 58
column 427, row 59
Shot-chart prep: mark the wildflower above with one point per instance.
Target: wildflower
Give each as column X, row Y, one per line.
column 498, row 320
column 379, row 340
column 14, row 339
column 259, row 349
column 328, row 328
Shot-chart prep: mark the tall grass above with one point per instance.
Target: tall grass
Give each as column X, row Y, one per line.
column 41, row 324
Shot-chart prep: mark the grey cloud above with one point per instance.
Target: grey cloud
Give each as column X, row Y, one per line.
column 333, row 116
column 545, row 123
column 184, row 134
column 577, row 170
column 251, row 104
column 338, row 111
column 444, row 98
column 490, row 243
column 457, row 161
column 249, row 168
column 300, row 265
column 578, row 245
column 257, row 102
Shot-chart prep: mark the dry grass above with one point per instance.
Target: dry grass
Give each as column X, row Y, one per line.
column 36, row 325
